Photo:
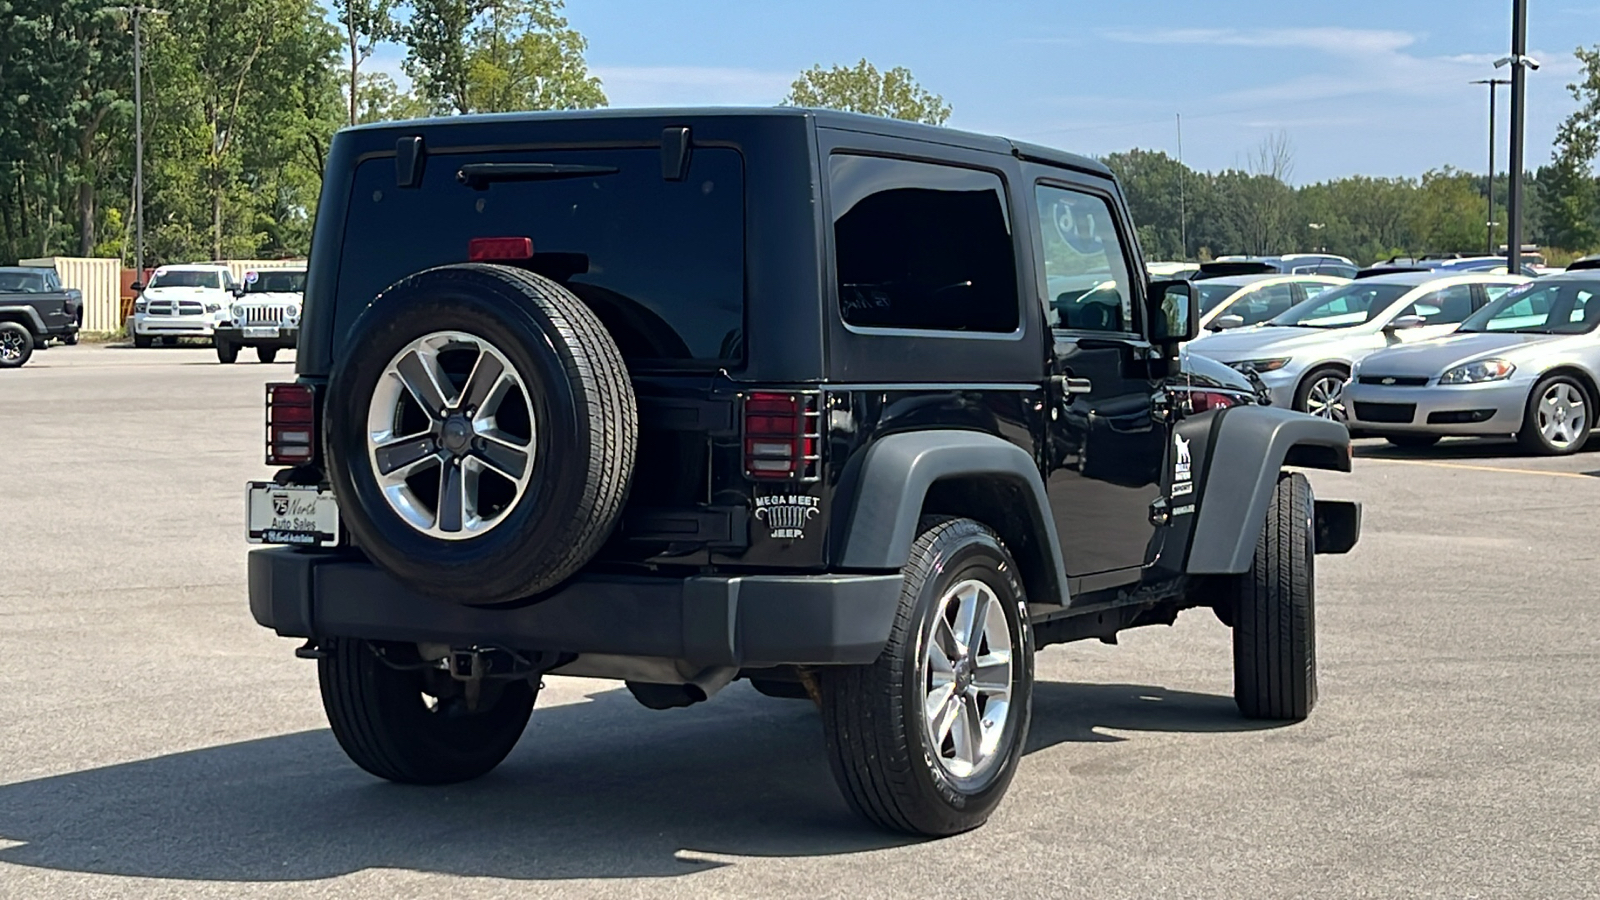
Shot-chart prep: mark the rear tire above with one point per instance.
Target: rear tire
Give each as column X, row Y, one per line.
column 16, row 345
column 1274, row 630
column 266, row 354
column 380, row 717
column 1412, row 441
column 70, row 340
column 900, row 767
column 1557, row 419
column 227, row 352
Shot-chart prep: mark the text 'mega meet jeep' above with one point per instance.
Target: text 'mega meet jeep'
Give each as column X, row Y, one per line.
column 862, row 411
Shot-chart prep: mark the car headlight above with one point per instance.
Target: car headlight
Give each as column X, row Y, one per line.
column 238, row 311
column 138, row 306
column 1475, row 372
column 1261, row 365
column 213, row 307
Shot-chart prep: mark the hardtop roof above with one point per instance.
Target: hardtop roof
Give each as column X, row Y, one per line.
column 824, row 118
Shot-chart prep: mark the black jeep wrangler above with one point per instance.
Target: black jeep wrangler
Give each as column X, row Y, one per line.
column 862, row 411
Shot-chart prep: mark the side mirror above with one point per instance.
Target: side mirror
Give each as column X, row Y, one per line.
column 1174, row 312
column 1406, row 322
column 237, row 291
column 136, row 287
column 1222, row 323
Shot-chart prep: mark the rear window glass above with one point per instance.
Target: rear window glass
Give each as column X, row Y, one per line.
column 660, row 262
column 269, row 282
column 22, row 282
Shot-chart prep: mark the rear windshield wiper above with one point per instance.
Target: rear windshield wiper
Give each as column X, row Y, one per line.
column 479, row 176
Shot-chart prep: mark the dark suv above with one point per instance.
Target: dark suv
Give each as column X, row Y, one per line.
column 862, row 411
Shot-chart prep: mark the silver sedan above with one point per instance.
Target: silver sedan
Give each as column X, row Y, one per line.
column 1305, row 355
column 1526, row 365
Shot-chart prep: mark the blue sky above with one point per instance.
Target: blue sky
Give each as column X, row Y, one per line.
column 1361, row 87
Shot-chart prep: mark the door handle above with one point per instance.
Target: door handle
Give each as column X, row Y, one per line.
column 1070, row 385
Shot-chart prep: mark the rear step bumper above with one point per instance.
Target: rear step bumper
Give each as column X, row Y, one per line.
column 739, row 620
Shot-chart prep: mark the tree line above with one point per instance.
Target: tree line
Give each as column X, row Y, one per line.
column 241, row 99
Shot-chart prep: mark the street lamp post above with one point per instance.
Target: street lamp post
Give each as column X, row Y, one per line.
column 1520, row 62
column 1317, row 227
column 1488, row 241
column 136, row 13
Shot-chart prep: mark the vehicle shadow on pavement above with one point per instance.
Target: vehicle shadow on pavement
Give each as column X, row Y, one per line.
column 1462, row 449
column 602, row 789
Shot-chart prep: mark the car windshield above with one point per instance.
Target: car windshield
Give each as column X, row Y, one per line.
column 1212, row 295
column 285, row 282
column 1344, row 307
column 1541, row 308
column 22, row 282
column 185, row 278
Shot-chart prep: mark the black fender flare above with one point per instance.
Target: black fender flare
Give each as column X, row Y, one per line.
column 9, row 313
column 1247, row 448
column 887, row 491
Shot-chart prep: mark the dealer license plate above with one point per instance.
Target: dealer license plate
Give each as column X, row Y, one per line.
column 292, row 514
column 260, row 331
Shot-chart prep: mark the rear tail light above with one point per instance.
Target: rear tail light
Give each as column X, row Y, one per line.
column 1204, row 401
column 291, row 424
column 782, row 436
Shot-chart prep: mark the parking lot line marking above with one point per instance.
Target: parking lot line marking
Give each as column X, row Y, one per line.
column 1447, row 465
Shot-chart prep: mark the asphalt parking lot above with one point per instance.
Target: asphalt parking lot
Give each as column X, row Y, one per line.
column 154, row 742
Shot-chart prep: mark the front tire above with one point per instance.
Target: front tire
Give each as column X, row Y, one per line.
column 926, row 739
column 227, row 352
column 1556, row 420
column 1321, row 394
column 410, row 724
column 142, row 341
column 266, row 354
column 16, row 345
column 1274, row 630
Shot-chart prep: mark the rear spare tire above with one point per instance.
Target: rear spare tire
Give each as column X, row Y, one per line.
column 481, row 431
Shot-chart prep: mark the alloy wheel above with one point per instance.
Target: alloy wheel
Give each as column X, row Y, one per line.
column 1326, row 398
column 967, row 675
column 450, row 435
column 10, row 346
column 1563, row 415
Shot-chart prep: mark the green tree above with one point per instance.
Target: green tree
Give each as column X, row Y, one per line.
column 382, row 100
column 496, row 56
column 1568, row 205
column 362, row 24
column 894, row 94
column 1164, row 196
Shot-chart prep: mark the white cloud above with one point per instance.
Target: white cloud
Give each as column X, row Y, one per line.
column 692, row 86
column 1336, row 40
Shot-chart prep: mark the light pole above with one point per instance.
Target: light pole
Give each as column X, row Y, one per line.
column 1520, row 62
column 1488, row 241
column 137, row 12
column 1317, row 227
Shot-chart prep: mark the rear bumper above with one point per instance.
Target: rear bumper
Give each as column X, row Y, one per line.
column 737, row 620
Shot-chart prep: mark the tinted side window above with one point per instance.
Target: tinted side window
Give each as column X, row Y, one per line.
column 1087, row 287
column 1265, row 303
column 922, row 246
column 1449, row 306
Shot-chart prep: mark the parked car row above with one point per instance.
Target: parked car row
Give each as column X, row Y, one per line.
column 205, row 301
column 1416, row 355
